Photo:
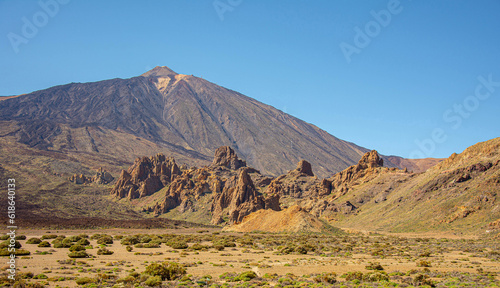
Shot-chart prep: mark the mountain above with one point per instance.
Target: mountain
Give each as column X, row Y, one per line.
column 179, row 115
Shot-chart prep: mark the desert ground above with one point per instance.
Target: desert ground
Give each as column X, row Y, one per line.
column 214, row 258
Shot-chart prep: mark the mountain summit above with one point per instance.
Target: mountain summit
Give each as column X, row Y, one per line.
column 182, row 116
column 159, row 71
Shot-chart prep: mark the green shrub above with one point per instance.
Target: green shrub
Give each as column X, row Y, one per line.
column 374, row 266
column 329, row 278
column 301, row 250
column 245, row 276
column 376, row 276
column 287, row 250
column 84, row 280
column 166, row 270
column 52, row 236
column 34, row 241
column 74, row 238
column 197, row 246
column 153, row 281
column 104, row 251
column 83, row 242
column 75, row 248
column 78, row 254
column 356, row 275
column 18, row 252
column 40, row 276
column 129, row 248
column 218, row 247
column 421, row 280
column 4, row 237
column 152, row 244
column 6, row 244
column 44, row 244
column 21, row 237
column 59, row 244
column 423, row 263
column 130, row 240
column 178, row 244
column 105, row 240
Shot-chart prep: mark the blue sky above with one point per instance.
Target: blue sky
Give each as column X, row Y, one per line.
column 417, row 86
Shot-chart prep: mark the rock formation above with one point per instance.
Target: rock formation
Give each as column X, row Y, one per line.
column 366, row 166
column 304, row 167
column 226, row 157
column 241, row 198
column 101, row 177
column 146, row 176
column 299, row 183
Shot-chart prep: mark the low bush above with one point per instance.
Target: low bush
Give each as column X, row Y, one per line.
column 83, row 242
column 177, row 244
column 44, row 244
column 245, row 276
column 105, row 240
column 34, row 241
column 104, row 251
column 78, row 254
column 329, row 278
column 84, row 280
column 153, row 281
column 374, row 266
column 75, row 248
column 166, row 270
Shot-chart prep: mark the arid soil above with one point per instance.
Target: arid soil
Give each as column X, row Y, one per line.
column 216, row 257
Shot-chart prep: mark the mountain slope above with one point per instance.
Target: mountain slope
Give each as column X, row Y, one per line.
column 180, row 115
column 458, row 194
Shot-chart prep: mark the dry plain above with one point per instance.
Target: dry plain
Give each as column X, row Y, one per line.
column 220, row 259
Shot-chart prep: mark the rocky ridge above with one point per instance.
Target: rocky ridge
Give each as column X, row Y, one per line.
column 462, row 189
column 227, row 181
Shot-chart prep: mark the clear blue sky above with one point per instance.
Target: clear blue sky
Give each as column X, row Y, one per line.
column 396, row 91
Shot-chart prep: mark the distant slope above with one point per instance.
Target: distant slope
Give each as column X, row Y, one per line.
column 459, row 194
column 180, row 115
column 415, row 165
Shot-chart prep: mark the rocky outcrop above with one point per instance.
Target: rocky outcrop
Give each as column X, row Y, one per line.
column 367, row 165
column 101, row 177
column 370, row 160
column 146, row 176
column 304, row 167
column 240, row 198
column 226, row 157
column 299, row 183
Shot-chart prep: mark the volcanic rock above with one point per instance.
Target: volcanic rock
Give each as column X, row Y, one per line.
column 241, row 198
column 226, row 157
column 304, row 167
column 145, row 176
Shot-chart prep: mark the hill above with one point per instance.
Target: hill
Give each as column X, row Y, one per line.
column 293, row 219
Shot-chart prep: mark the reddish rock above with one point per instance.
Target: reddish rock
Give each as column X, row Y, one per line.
column 304, row 167
column 145, row 177
column 241, row 199
column 226, row 157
